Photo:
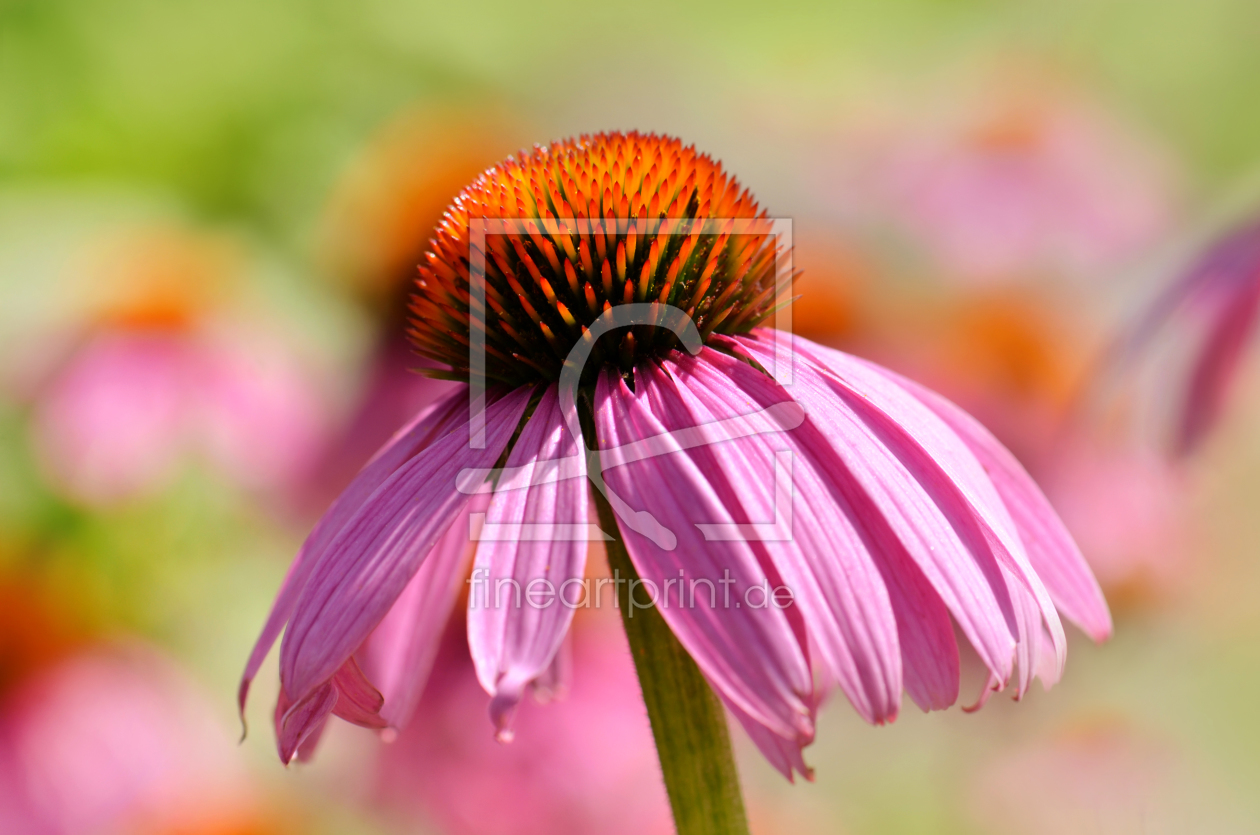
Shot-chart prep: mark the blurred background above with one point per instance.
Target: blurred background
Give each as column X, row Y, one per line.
column 209, row 211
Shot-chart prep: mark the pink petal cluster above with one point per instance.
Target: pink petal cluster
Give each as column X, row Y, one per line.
column 908, row 519
column 128, row 405
column 115, row 740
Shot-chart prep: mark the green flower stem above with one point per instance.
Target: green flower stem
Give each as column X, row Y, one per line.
column 688, row 721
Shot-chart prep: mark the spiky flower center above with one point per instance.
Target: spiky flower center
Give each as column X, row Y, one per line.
column 576, row 228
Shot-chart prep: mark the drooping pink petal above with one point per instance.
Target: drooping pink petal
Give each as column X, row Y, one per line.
column 377, row 552
column 303, row 720
column 306, row 751
column 348, row 695
column 398, row 656
column 753, row 656
column 1216, row 366
column 1217, row 277
column 358, row 701
column 528, row 571
column 786, row 755
column 962, row 485
column 822, row 558
column 554, row 682
column 1031, row 653
column 1220, row 294
column 875, row 602
column 951, row 553
column 427, row 426
column 1051, row 550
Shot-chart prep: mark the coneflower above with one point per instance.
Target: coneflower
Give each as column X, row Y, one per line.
column 625, row 281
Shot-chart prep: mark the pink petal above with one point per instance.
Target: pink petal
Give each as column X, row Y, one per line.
column 427, row 426
column 554, row 682
column 1217, row 364
column 296, row 722
column 923, row 630
column 905, row 492
column 1051, row 549
column 1217, row 277
column 1030, row 652
column 398, row 656
column 513, row 641
column 1223, row 288
column 392, row 395
column 941, row 457
column 357, row 700
column 373, row 557
column 786, row 755
column 833, row 578
column 753, row 657
column 306, row 750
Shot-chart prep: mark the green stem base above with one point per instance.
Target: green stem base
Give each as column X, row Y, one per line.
column 688, row 721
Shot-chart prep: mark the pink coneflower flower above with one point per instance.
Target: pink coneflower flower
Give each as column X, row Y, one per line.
column 1018, row 183
column 130, row 406
column 1216, row 301
column 158, row 372
column 895, row 516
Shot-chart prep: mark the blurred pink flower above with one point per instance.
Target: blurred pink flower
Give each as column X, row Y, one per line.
column 1217, row 301
column 1021, row 184
column 115, row 740
column 586, row 765
column 1126, row 507
column 128, row 405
